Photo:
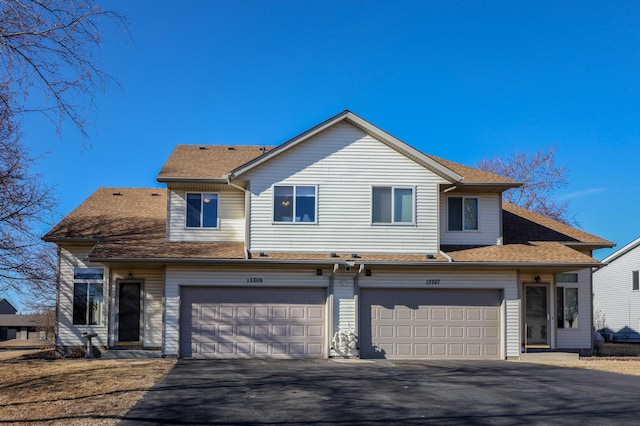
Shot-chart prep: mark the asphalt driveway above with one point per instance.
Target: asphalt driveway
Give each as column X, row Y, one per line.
column 260, row 392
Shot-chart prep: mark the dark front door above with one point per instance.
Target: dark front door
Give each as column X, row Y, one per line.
column 537, row 315
column 129, row 312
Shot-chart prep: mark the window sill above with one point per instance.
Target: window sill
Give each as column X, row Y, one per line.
column 394, row 224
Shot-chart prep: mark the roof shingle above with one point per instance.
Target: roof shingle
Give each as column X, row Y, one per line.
column 207, row 161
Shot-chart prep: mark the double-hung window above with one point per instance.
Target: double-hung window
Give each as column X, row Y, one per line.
column 88, row 296
column 390, row 204
column 635, row 282
column 202, row 210
column 463, row 214
column 295, row 203
column 567, row 302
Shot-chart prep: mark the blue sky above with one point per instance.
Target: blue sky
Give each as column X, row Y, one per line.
column 463, row 80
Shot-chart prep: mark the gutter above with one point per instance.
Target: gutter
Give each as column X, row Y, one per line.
column 255, row 261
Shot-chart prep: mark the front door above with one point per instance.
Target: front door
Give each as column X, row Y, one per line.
column 129, row 298
column 537, row 315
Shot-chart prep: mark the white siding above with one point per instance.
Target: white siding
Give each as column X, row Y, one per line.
column 344, row 307
column 580, row 337
column 178, row 277
column 344, row 163
column 614, row 297
column 506, row 281
column 68, row 334
column 489, row 212
column 230, row 212
column 152, row 315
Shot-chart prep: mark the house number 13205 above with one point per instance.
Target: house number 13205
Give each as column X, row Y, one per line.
column 254, row 279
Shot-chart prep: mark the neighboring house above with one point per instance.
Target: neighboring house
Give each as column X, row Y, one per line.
column 6, row 307
column 13, row 326
column 616, row 294
column 343, row 241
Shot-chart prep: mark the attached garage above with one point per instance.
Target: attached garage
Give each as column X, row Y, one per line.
column 430, row 323
column 242, row 322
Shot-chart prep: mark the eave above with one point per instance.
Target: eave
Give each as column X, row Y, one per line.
column 366, row 127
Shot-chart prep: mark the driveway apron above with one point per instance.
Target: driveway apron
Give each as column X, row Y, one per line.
column 319, row 392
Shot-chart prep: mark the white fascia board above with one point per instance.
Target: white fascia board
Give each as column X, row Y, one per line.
column 368, row 128
column 404, row 148
column 633, row 244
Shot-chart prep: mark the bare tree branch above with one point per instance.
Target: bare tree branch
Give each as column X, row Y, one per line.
column 48, row 65
column 540, row 175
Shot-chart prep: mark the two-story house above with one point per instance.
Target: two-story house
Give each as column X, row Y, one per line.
column 342, row 241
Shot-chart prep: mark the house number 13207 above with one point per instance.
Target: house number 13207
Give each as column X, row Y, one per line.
column 254, row 279
column 432, row 282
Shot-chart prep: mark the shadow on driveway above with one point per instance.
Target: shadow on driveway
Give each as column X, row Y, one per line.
column 319, row 392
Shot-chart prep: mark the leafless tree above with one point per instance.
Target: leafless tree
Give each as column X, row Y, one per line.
column 540, row 175
column 47, row 56
column 47, row 65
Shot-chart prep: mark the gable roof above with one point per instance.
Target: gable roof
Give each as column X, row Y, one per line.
column 215, row 163
column 207, row 162
column 624, row 250
column 6, row 307
column 365, row 126
column 521, row 225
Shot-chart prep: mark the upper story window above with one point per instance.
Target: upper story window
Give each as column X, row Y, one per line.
column 463, row 214
column 202, row 210
column 294, row 203
column 88, row 296
column 635, row 282
column 390, row 204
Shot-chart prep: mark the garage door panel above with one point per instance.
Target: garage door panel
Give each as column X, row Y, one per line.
column 225, row 322
column 416, row 323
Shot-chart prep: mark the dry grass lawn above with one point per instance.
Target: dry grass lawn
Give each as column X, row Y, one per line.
column 75, row 391
column 630, row 366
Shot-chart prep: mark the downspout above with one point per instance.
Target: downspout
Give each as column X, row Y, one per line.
column 247, row 200
column 330, row 325
column 446, row 256
column 356, row 304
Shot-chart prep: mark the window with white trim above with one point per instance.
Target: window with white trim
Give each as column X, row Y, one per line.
column 392, row 204
column 463, row 214
column 295, row 203
column 635, row 282
column 88, row 296
column 202, row 210
column 567, row 307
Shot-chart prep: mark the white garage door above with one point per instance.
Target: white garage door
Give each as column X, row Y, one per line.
column 226, row 322
column 421, row 324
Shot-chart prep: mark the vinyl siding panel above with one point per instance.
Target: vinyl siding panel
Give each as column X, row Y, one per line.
column 68, row 334
column 230, row 212
column 580, row 337
column 179, row 277
column 489, row 212
column 344, row 163
column 615, row 298
column 152, row 304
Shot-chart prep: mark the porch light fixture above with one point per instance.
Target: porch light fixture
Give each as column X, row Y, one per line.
column 537, row 278
column 130, row 276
